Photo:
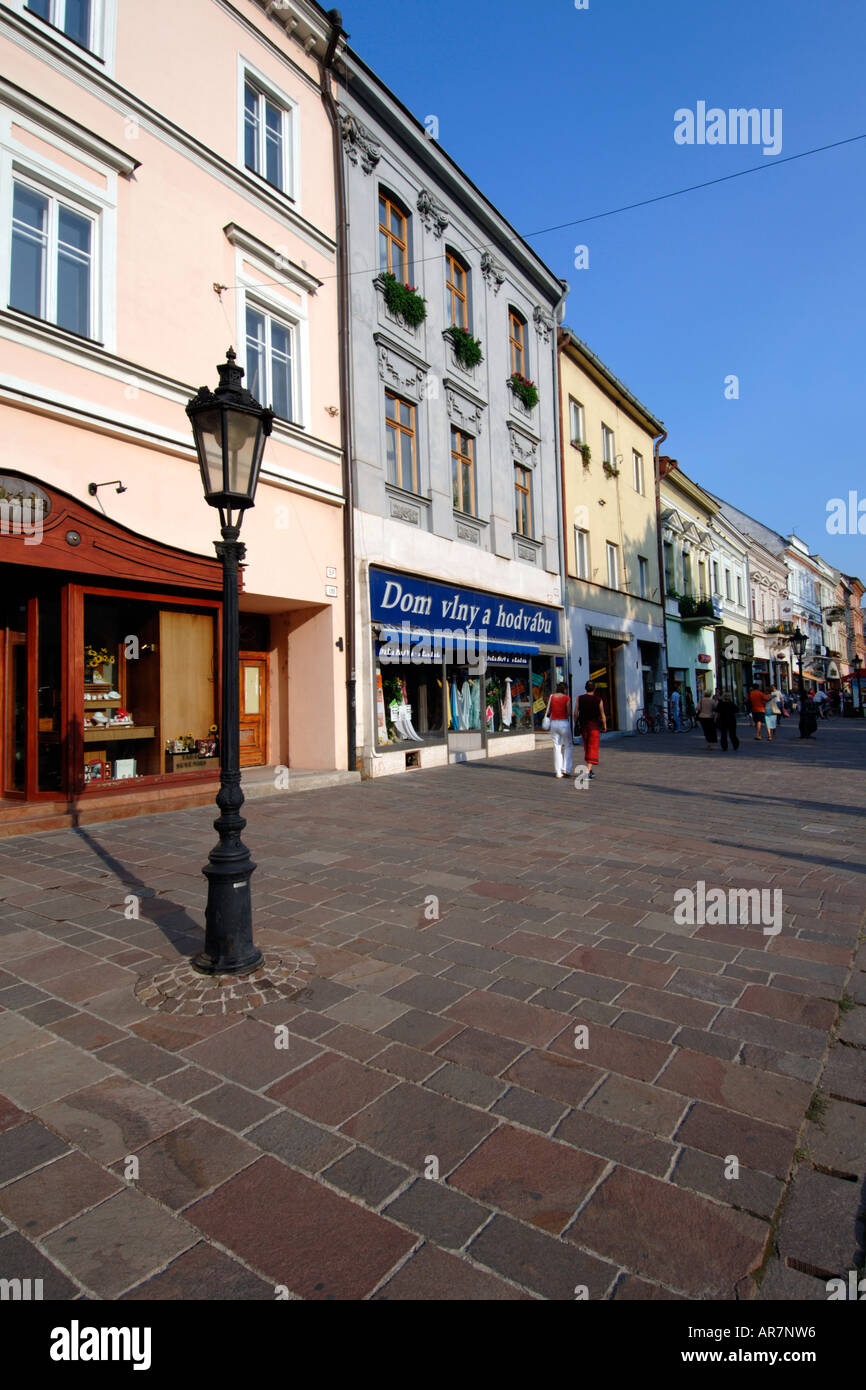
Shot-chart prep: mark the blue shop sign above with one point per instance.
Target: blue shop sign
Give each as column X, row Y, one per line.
column 427, row 604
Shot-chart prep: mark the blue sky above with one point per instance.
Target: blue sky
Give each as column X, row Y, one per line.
column 558, row 113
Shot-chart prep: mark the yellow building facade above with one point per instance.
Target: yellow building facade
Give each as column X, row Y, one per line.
column 615, row 595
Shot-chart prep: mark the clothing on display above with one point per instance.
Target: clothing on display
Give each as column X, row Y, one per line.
column 506, row 705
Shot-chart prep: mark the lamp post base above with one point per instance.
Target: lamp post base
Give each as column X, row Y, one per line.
column 229, row 946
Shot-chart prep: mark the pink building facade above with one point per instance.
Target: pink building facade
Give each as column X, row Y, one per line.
column 166, row 189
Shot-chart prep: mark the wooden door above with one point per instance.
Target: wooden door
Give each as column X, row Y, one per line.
column 254, row 708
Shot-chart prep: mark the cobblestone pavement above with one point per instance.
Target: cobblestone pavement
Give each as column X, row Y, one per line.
column 460, row 927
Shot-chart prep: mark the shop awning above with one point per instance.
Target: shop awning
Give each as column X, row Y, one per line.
column 610, row 635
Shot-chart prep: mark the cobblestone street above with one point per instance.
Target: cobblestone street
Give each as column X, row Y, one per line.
column 439, row 1125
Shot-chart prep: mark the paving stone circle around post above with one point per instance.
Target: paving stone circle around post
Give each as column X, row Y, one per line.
column 179, row 989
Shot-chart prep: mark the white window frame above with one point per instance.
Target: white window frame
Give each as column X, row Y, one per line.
column 51, row 259
column 613, row 576
column 103, row 30
column 21, row 164
column 740, row 599
column 248, row 73
column 252, row 293
column 637, row 469
column 608, row 446
column 643, row 576
column 581, row 552
column 729, row 588
column 576, row 409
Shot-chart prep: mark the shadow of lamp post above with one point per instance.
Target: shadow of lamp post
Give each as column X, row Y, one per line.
column 230, row 428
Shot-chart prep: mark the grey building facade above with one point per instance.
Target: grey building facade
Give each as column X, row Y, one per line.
column 455, row 472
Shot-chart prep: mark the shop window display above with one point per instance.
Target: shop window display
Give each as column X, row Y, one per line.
column 465, row 692
column 509, row 700
column 409, row 704
column 149, row 690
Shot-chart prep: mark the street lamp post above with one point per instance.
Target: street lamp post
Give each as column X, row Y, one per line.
column 857, row 673
column 798, row 643
column 230, row 428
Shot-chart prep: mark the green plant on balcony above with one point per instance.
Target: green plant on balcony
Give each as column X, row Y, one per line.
column 672, row 592
column 467, row 349
column 403, row 299
column 704, row 608
column 688, row 607
column 524, row 389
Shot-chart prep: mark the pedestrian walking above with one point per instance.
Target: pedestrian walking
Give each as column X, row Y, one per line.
column 808, row 716
column 676, row 707
column 757, row 705
column 726, row 715
column 593, row 723
column 707, row 717
column 772, row 712
column 559, row 713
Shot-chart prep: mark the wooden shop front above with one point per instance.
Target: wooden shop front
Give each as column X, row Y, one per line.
column 109, row 656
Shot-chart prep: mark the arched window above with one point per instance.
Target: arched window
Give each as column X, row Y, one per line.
column 393, row 238
column 517, row 341
column 457, row 287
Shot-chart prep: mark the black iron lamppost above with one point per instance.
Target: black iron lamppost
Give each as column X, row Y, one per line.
column 798, row 643
column 230, row 428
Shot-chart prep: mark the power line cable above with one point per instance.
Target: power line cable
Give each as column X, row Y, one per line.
column 612, row 212
column 708, row 183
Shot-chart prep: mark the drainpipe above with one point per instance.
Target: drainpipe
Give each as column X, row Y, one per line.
column 558, row 316
column 343, row 320
column 657, row 443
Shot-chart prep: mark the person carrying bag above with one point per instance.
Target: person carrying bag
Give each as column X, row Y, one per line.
column 557, row 719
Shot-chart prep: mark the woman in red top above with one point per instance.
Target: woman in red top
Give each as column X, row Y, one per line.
column 593, row 722
column 559, row 714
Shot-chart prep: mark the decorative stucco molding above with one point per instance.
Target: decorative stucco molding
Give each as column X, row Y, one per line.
column 468, row 533
column 493, row 272
column 404, row 511
column 463, row 411
column 358, row 142
column 395, row 370
column 524, row 449
column 432, row 213
column 543, row 323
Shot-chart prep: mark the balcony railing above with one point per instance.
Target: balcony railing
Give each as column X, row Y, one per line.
column 703, row 611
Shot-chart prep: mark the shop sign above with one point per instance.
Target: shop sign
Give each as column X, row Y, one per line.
column 23, row 508
column 428, row 605
column 705, row 658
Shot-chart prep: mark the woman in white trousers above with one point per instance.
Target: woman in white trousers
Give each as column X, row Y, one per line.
column 559, row 713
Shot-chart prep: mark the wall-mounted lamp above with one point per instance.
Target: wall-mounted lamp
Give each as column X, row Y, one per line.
column 93, row 488
column 339, row 644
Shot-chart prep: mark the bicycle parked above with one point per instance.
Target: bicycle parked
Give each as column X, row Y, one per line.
column 654, row 722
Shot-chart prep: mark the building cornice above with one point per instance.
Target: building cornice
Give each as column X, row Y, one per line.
column 583, row 357
column 254, row 190
column 82, row 139
column 359, row 84
column 675, row 478
column 282, row 266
